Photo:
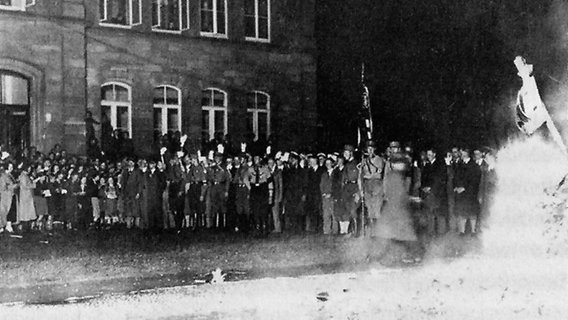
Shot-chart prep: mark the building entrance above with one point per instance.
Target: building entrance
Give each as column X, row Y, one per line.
column 14, row 111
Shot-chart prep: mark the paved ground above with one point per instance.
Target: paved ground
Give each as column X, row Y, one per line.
column 468, row 288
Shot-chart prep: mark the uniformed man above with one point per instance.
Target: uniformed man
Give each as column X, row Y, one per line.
column 241, row 182
column 351, row 191
column 372, row 173
column 259, row 175
column 294, row 194
column 219, row 180
column 197, row 190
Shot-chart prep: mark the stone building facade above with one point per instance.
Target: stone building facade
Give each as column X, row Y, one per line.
column 239, row 67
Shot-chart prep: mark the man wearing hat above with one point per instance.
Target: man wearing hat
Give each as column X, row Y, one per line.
column 351, row 191
column 241, row 182
column 132, row 183
column 197, row 177
column 219, row 180
column 372, row 173
column 313, row 194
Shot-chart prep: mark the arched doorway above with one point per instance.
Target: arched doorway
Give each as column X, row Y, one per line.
column 14, row 111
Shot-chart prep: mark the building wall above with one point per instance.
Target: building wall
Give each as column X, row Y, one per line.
column 50, row 39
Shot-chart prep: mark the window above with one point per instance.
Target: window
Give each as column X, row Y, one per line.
column 120, row 12
column 167, row 110
column 19, row 5
column 214, row 18
column 170, row 15
column 257, row 20
column 258, row 108
column 214, row 113
column 116, row 102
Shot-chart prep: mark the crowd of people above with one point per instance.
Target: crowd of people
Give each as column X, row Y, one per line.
column 349, row 193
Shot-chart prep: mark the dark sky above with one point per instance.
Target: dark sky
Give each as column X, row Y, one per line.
column 440, row 72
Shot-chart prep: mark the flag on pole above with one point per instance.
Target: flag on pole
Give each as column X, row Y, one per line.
column 366, row 111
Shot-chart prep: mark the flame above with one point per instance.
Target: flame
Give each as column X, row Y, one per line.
column 525, row 169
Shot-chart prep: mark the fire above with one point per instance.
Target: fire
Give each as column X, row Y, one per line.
column 525, row 169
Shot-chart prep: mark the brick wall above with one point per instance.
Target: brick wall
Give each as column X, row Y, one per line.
column 49, row 40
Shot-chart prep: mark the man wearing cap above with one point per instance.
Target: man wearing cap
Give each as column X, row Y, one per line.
column 259, row 175
column 372, row 173
column 351, row 191
column 197, row 190
column 154, row 185
column 276, row 189
column 241, row 182
column 219, row 180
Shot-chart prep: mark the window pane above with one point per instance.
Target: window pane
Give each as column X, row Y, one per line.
column 117, row 12
column 263, row 8
column 172, row 96
column 169, row 15
column 218, row 99
column 207, row 15
column 159, row 95
column 249, row 7
column 155, row 13
column 14, row 89
column 105, row 112
column 220, row 21
column 121, row 93
column 158, row 120
column 184, row 14
column 206, row 99
column 250, row 27
column 205, row 125
column 263, row 28
column 220, row 122
column 107, row 93
column 122, row 118
column 262, row 124
column 135, row 11
column 173, row 120
column 261, row 101
column 101, row 9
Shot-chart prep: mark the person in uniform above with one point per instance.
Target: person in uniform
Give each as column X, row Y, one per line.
column 176, row 190
column 259, row 175
column 154, row 184
column 276, row 186
column 241, row 182
column 372, row 173
column 219, row 180
column 350, row 191
column 197, row 190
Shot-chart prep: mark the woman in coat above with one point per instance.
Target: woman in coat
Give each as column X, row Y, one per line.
column 8, row 202
column 26, row 208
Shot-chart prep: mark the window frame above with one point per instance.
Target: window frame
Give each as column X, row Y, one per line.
column 22, row 7
column 130, row 12
column 165, row 107
column 115, row 104
column 255, row 111
column 215, row 33
column 211, row 110
column 157, row 28
column 257, row 24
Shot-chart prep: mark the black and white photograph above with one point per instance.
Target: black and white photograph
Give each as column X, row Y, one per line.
column 284, row 159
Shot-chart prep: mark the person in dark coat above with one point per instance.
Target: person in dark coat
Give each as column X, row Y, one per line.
column 313, row 194
column 154, row 185
column 132, row 183
column 433, row 193
column 466, row 189
column 295, row 182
